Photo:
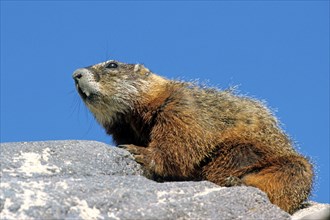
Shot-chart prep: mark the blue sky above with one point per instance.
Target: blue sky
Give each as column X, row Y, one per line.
column 277, row 51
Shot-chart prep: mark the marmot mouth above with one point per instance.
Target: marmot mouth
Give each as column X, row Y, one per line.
column 86, row 96
column 81, row 93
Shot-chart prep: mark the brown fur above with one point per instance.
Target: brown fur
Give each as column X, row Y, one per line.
column 180, row 131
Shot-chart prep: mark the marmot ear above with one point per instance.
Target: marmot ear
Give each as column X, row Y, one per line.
column 140, row 69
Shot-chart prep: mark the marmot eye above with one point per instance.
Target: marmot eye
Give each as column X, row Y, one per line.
column 112, row 65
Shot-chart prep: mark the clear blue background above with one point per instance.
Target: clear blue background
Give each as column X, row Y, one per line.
column 277, row 51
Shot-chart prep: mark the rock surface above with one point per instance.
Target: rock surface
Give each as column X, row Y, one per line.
column 92, row 180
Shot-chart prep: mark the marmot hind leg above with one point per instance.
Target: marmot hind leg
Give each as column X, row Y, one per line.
column 287, row 181
column 230, row 163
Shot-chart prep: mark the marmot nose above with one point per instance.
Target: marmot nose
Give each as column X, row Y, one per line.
column 79, row 73
column 77, row 76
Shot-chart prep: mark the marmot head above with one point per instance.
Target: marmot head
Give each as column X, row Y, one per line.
column 112, row 87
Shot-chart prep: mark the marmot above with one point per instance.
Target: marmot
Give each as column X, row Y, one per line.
column 183, row 131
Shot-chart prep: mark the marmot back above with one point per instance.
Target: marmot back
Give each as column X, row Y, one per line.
column 180, row 131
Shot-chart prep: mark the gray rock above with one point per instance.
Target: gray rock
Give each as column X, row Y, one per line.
column 91, row 180
column 63, row 158
column 313, row 211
